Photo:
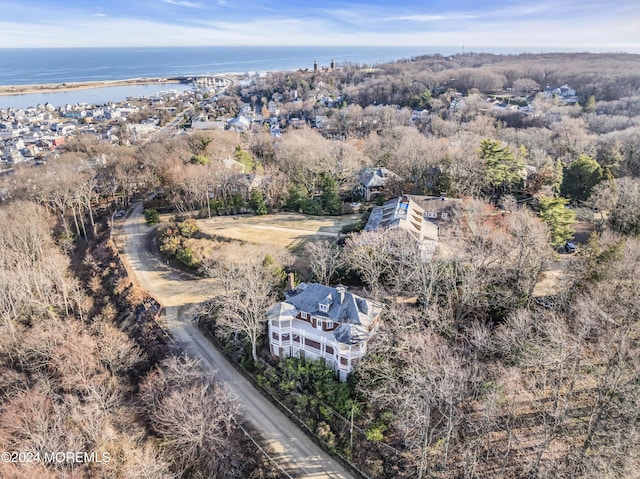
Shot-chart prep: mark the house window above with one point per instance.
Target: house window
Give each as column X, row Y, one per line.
column 328, row 349
column 323, row 307
column 303, row 315
column 344, row 361
column 312, row 344
column 329, row 325
column 444, row 216
column 276, row 336
column 432, row 214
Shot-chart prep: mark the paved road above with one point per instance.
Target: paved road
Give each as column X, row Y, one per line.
column 293, row 450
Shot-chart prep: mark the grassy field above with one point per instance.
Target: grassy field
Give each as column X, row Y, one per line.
column 287, row 230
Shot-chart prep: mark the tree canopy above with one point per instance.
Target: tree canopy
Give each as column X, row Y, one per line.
column 503, row 168
column 558, row 218
column 580, row 178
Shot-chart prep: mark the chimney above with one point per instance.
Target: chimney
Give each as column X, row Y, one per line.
column 291, row 281
column 341, row 290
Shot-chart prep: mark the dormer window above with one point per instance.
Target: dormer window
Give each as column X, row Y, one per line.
column 325, row 304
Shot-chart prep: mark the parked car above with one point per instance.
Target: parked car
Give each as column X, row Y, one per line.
column 570, row 247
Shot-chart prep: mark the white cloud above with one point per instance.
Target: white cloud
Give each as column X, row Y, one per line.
column 432, row 18
column 559, row 33
column 184, row 3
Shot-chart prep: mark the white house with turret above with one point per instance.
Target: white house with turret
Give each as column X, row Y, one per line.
column 321, row 322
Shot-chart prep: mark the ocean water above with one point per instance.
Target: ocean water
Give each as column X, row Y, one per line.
column 27, row 66
column 92, row 96
column 61, row 65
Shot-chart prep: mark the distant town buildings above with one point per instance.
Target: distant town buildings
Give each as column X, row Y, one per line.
column 565, row 93
column 35, row 132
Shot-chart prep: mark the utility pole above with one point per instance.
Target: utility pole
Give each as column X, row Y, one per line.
column 351, row 432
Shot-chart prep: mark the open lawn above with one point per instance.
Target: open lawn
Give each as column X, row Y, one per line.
column 288, row 230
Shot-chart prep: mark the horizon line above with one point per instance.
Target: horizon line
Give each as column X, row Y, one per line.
column 474, row 50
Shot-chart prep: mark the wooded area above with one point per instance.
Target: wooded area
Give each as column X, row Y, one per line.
column 478, row 376
column 85, row 368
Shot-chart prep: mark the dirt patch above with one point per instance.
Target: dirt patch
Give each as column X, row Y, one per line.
column 552, row 277
column 582, row 231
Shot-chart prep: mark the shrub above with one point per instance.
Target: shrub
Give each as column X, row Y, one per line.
column 375, row 433
column 151, row 216
column 185, row 256
column 169, row 244
column 188, row 228
column 199, row 160
column 312, row 206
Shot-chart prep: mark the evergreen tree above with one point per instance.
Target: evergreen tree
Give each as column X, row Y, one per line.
column 421, row 101
column 503, row 168
column 590, row 106
column 151, row 216
column 257, row 203
column 242, row 156
column 330, row 198
column 296, row 196
column 559, row 176
column 580, row 178
column 558, row 218
column 312, row 206
column 199, row 160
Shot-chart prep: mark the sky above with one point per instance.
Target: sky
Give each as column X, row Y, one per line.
column 563, row 25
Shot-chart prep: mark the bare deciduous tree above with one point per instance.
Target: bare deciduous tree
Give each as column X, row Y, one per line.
column 424, row 379
column 195, row 423
column 242, row 304
column 194, row 416
column 325, row 259
column 116, row 351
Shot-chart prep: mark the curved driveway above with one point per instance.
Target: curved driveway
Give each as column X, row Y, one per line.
column 289, row 446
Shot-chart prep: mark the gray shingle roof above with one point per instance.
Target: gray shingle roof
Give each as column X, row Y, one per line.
column 355, row 315
column 372, row 177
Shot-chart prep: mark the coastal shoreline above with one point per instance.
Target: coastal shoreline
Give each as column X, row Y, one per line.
column 6, row 90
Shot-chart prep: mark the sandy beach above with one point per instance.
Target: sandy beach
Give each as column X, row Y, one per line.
column 60, row 87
